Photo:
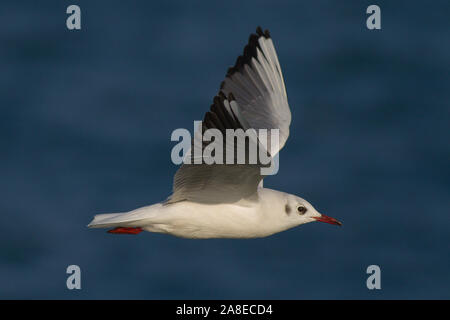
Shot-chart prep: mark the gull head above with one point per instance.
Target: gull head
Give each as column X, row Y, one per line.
column 299, row 211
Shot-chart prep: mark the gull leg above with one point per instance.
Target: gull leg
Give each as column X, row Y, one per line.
column 124, row 230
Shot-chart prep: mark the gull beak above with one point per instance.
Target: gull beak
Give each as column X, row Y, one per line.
column 327, row 219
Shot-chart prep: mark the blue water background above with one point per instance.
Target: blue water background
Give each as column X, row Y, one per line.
column 85, row 124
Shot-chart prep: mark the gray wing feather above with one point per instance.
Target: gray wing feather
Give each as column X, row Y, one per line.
column 253, row 95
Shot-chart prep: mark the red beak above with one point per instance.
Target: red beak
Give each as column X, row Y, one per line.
column 327, row 219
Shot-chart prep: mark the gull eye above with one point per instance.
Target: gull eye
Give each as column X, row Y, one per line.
column 301, row 210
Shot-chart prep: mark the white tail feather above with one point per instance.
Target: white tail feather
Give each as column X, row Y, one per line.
column 124, row 219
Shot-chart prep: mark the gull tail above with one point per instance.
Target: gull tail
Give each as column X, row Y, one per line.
column 107, row 220
column 125, row 222
column 120, row 222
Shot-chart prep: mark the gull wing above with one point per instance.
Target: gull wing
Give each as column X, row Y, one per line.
column 253, row 95
column 256, row 81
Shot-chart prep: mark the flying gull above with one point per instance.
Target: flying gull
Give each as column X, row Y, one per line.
column 229, row 200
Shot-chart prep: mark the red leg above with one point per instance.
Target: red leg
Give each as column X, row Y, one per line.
column 124, row 230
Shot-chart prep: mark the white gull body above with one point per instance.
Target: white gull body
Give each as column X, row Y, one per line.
column 229, row 201
column 246, row 218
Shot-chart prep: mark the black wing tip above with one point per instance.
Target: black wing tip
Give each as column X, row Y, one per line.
column 250, row 51
column 221, row 96
column 260, row 33
column 218, row 117
column 231, row 71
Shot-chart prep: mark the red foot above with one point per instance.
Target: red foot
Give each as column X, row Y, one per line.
column 124, row 230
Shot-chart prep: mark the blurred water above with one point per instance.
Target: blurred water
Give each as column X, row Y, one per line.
column 85, row 125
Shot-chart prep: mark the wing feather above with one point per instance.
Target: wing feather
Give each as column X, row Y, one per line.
column 253, row 95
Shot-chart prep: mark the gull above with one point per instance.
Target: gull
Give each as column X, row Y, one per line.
column 229, row 200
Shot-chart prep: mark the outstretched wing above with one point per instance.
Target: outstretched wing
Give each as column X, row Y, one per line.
column 253, row 95
column 256, row 81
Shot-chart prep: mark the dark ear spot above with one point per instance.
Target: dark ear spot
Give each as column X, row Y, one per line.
column 287, row 208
